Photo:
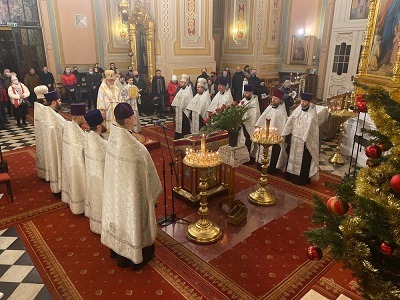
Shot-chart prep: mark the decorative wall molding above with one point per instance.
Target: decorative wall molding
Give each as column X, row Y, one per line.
column 166, row 21
column 260, row 20
column 344, row 35
column 192, row 16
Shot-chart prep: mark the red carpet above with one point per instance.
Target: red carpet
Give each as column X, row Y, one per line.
column 269, row 264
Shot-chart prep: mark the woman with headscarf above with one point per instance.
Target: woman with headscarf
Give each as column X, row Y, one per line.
column 19, row 94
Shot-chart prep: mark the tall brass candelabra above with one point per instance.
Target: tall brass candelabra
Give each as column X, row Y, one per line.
column 262, row 196
column 203, row 231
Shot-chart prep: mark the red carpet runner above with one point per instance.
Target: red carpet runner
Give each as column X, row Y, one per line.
column 269, row 264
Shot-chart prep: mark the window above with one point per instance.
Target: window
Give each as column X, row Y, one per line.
column 22, row 12
column 341, row 58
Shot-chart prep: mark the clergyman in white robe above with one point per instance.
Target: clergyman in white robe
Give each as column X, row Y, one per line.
column 129, row 225
column 95, row 154
column 53, row 131
column 251, row 116
column 73, row 161
column 276, row 113
column 198, row 105
column 180, row 103
column 302, row 133
column 39, row 118
column 222, row 97
column 130, row 94
column 108, row 97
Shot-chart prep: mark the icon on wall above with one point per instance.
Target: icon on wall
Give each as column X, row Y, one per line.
column 299, row 50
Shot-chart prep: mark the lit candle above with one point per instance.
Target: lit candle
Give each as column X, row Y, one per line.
column 267, row 121
column 203, row 143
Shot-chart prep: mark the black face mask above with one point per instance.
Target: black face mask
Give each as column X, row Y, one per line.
column 204, row 73
column 136, row 76
column 130, row 70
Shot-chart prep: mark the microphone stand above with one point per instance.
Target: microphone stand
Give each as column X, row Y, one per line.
column 173, row 218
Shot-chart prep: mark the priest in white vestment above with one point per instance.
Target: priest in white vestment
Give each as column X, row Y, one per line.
column 39, row 119
column 276, row 113
column 108, row 97
column 180, row 103
column 222, row 97
column 199, row 104
column 251, row 116
column 302, row 136
column 53, row 131
column 129, row 225
column 130, row 94
column 95, row 154
column 73, row 161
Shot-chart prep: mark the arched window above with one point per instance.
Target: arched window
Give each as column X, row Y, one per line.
column 341, row 58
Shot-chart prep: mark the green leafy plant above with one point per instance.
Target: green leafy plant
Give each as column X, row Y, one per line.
column 227, row 117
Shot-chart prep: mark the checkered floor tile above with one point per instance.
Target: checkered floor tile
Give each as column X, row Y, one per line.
column 14, row 137
column 19, row 278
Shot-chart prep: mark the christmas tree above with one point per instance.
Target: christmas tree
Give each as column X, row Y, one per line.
column 366, row 237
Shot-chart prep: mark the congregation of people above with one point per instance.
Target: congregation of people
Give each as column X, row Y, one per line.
column 102, row 171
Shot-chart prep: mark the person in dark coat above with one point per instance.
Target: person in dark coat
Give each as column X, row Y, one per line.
column 255, row 82
column 47, row 78
column 237, row 84
column 141, row 85
column 289, row 96
column 93, row 81
column 78, row 84
column 158, row 91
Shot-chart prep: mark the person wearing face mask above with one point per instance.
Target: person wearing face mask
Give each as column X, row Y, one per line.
column 251, row 116
column 47, row 78
column 95, row 154
column 19, row 94
column 6, row 82
column 73, row 161
column 69, row 82
column 237, row 84
column 92, row 84
column 141, row 85
column 53, row 133
column 99, row 69
column 130, row 73
column 276, row 113
column 202, row 75
column 31, row 81
column 132, row 182
column 158, row 89
column 78, row 84
column 301, row 134
column 255, row 82
column 226, row 77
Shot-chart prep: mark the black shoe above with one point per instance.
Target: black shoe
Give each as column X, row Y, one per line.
column 24, row 124
column 57, row 195
column 123, row 262
column 7, row 122
column 161, row 116
column 19, row 125
column 113, row 255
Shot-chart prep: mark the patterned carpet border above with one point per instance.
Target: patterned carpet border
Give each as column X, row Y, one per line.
column 59, row 278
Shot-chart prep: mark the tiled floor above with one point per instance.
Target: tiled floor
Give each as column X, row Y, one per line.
column 19, row 278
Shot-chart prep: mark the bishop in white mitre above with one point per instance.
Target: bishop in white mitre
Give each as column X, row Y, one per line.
column 73, row 161
column 222, row 97
column 39, row 119
column 129, row 225
column 277, row 117
column 53, row 131
column 180, row 103
column 95, row 154
column 108, row 97
column 251, row 116
column 302, row 136
column 199, row 104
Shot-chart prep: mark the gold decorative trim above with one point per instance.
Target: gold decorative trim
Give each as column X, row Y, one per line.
column 206, row 50
column 53, row 268
column 274, row 50
column 110, row 44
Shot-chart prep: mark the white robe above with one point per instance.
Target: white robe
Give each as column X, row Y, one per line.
column 39, row 118
column 219, row 100
column 181, row 101
column 252, row 116
column 278, row 118
column 107, row 100
column 130, row 194
column 54, row 128
column 198, row 105
column 125, row 95
column 304, row 129
column 73, row 168
column 95, row 154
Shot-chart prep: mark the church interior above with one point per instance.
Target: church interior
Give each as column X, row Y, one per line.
column 226, row 226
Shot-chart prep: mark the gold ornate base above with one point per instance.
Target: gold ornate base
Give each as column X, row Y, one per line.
column 262, row 197
column 204, row 232
column 336, row 159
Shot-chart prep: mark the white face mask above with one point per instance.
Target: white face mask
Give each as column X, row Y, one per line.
column 90, row 72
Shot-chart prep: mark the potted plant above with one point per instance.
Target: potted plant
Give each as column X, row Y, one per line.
column 229, row 118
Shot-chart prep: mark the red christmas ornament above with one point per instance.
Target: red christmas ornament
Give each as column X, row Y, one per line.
column 362, row 106
column 336, row 206
column 373, row 151
column 386, row 248
column 395, row 183
column 314, row 253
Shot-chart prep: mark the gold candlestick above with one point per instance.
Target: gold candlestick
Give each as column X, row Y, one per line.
column 203, row 231
column 203, row 143
column 262, row 196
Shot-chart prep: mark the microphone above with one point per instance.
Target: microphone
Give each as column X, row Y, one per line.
column 162, row 124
